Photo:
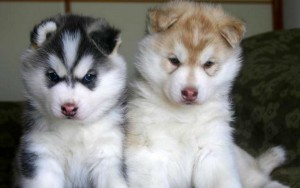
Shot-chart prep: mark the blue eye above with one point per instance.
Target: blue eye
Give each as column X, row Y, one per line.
column 52, row 76
column 88, row 78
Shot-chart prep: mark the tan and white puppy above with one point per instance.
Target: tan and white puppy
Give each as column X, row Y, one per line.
column 179, row 134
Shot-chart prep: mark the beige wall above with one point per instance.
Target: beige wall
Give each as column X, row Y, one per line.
column 291, row 14
column 17, row 19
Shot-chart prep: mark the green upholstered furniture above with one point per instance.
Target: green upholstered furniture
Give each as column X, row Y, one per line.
column 266, row 99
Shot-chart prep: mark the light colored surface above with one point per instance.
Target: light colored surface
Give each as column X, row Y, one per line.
column 17, row 20
column 291, row 14
column 258, row 17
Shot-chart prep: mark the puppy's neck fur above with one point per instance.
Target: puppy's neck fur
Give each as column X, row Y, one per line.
column 157, row 105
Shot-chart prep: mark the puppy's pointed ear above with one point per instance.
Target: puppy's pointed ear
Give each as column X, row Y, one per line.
column 160, row 19
column 42, row 32
column 232, row 30
column 105, row 37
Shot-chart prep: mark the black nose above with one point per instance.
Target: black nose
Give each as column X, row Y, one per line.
column 69, row 109
column 189, row 94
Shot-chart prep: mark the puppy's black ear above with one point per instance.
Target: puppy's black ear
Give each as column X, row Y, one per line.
column 42, row 32
column 105, row 37
column 160, row 19
column 232, row 30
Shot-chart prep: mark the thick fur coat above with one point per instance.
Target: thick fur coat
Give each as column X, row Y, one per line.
column 74, row 82
column 179, row 134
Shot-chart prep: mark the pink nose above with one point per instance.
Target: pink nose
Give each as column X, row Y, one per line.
column 189, row 94
column 69, row 109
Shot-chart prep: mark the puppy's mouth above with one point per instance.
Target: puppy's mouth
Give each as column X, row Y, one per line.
column 70, row 117
column 189, row 102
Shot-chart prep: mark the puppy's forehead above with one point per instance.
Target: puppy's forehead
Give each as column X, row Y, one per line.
column 197, row 35
column 189, row 43
column 70, row 45
column 71, row 49
column 67, row 50
column 196, row 31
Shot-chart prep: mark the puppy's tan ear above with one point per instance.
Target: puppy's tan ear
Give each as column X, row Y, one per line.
column 160, row 19
column 232, row 30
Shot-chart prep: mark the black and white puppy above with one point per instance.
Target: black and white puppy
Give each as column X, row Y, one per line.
column 75, row 82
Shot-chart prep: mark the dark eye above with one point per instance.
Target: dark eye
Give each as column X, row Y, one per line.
column 52, row 76
column 88, row 78
column 174, row 61
column 208, row 64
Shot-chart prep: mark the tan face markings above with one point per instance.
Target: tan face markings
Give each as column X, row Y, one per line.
column 196, row 35
column 195, row 31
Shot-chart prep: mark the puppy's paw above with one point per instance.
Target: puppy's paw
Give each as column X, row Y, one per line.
column 271, row 159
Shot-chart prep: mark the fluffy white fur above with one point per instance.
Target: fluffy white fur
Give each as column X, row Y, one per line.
column 255, row 172
column 174, row 144
column 70, row 154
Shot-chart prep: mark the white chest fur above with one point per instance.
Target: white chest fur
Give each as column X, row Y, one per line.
column 172, row 149
column 78, row 151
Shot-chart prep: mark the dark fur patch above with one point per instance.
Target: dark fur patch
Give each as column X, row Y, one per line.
column 28, row 117
column 27, row 161
column 106, row 38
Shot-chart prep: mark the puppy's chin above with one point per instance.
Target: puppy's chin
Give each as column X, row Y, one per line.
column 60, row 117
column 57, row 115
column 183, row 102
column 180, row 102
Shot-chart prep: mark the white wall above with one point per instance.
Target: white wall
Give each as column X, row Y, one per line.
column 291, row 14
column 17, row 19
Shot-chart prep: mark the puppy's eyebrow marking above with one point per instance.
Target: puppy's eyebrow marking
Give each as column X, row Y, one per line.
column 180, row 52
column 57, row 65
column 83, row 66
column 206, row 54
column 70, row 43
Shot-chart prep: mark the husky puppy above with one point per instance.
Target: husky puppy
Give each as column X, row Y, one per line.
column 74, row 82
column 178, row 133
